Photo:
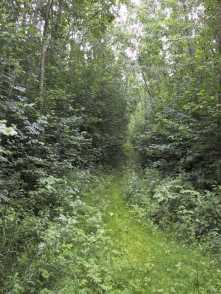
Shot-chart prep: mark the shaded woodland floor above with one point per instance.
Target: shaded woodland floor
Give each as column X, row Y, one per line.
column 143, row 260
column 154, row 263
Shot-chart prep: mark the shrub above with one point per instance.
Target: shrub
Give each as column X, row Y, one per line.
column 174, row 205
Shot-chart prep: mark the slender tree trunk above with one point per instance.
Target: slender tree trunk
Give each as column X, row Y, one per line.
column 218, row 38
column 32, row 39
column 190, row 45
column 43, row 49
column 146, row 86
column 37, row 8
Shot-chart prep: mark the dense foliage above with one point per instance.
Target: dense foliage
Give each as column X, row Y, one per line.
column 181, row 88
column 177, row 131
column 61, row 89
column 62, row 106
column 79, row 89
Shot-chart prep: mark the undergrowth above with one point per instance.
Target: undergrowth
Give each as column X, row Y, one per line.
column 60, row 240
column 152, row 261
column 94, row 241
column 172, row 204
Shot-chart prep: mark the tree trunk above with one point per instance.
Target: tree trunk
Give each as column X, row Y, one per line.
column 190, row 45
column 43, row 49
column 37, row 8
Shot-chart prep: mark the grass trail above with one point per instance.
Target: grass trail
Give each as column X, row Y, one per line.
column 112, row 251
column 149, row 262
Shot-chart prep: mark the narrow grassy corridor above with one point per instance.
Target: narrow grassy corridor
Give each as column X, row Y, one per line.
column 126, row 255
column 149, row 261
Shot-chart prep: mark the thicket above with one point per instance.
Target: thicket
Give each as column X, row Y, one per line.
column 177, row 133
column 67, row 88
column 66, row 245
column 63, row 110
column 175, row 206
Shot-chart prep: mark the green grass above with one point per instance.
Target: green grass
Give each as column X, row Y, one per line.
column 150, row 261
column 135, row 257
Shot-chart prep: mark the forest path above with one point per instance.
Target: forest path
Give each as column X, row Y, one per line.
column 150, row 262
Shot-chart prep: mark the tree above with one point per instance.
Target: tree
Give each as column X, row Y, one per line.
column 178, row 57
column 48, row 90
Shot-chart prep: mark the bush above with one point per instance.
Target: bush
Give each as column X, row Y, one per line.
column 63, row 238
column 174, row 205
